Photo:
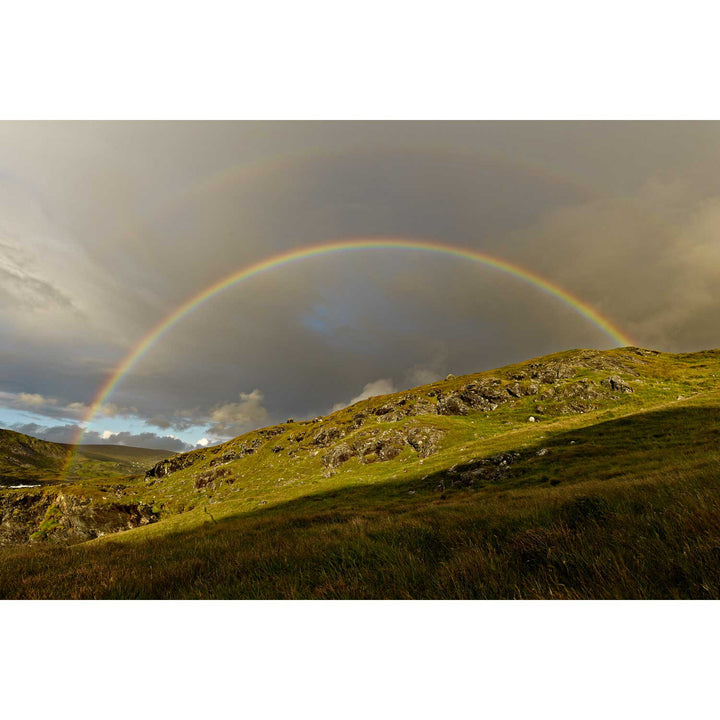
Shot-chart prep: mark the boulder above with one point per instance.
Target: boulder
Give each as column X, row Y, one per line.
column 423, row 407
column 384, row 446
column 483, row 395
column 326, row 436
column 358, row 419
column 616, row 384
column 452, row 405
column 383, row 409
column 338, row 455
column 424, row 439
column 173, row 464
column 515, row 390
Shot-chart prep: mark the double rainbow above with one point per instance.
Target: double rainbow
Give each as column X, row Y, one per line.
column 322, row 249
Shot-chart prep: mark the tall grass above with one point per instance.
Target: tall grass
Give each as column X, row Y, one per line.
column 635, row 513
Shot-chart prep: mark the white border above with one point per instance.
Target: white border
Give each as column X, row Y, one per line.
column 389, row 59
column 360, row 659
column 370, row 60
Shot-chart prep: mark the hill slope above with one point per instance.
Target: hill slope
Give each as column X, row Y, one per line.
column 581, row 474
column 25, row 460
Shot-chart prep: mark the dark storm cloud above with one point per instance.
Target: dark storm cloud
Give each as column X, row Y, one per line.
column 108, row 227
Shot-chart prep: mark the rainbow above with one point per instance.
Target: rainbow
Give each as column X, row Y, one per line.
column 322, row 249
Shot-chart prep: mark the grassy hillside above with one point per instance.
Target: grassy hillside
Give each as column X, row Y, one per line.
column 114, row 460
column 579, row 475
column 26, row 460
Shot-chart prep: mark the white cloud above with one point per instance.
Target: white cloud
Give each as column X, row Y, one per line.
column 383, row 386
column 35, row 399
column 232, row 419
column 202, row 442
column 107, row 434
column 109, row 410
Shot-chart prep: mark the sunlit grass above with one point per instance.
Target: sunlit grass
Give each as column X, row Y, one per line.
column 621, row 501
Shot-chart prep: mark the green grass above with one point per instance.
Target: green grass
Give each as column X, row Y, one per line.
column 28, row 460
column 619, row 501
column 48, row 524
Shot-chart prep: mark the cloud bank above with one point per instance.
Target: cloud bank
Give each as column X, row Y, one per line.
column 106, row 228
column 67, row 433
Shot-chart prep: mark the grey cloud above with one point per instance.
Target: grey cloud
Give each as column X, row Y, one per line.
column 21, row 287
column 649, row 260
column 165, row 423
column 422, row 376
column 383, row 386
column 127, row 220
column 54, row 408
column 233, row 419
column 67, row 433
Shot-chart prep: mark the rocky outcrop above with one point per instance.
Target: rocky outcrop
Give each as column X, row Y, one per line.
column 518, row 390
column 172, row 464
column 560, row 384
column 422, row 407
column 358, row 419
column 577, row 397
column 40, row 516
column 552, row 371
column 327, row 436
column 452, row 405
column 20, row 515
column 271, row 432
column 370, row 446
column 491, row 469
column 553, row 380
column 83, row 518
column 381, row 445
column 616, row 384
column 424, row 439
column 209, row 479
column 481, row 395
column 340, row 454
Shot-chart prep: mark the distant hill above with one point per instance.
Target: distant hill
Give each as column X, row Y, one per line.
column 582, row 474
column 25, row 460
column 139, row 458
column 28, row 460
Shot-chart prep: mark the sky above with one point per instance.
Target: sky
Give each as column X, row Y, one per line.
column 107, row 227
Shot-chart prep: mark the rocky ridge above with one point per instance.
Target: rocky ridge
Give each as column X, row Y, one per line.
column 401, row 429
column 381, row 428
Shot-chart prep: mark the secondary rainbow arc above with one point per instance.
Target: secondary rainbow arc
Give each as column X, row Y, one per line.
column 320, row 249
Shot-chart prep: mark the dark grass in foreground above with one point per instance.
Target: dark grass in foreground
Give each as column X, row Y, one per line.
column 609, row 517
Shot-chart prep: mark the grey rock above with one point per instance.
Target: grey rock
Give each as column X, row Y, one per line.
column 616, row 384
column 452, row 405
